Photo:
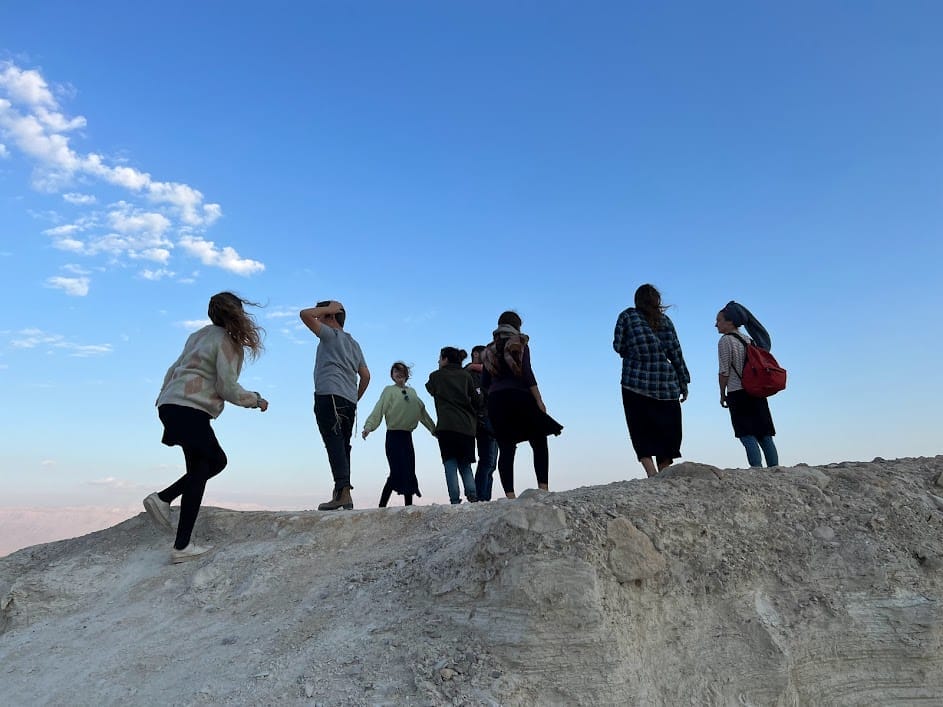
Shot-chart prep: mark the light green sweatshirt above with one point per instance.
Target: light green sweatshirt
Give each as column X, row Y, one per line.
column 402, row 408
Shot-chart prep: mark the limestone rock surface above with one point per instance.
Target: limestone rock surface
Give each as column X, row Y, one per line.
column 701, row 586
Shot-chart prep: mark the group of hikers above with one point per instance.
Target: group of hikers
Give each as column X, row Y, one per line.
column 491, row 405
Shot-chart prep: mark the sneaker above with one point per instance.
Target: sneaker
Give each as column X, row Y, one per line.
column 159, row 512
column 190, row 552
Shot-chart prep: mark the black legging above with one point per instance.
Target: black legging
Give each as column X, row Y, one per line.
column 506, row 451
column 202, row 465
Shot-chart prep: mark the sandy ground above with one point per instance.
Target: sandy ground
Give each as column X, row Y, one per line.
column 799, row 586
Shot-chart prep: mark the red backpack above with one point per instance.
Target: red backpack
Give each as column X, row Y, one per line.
column 762, row 376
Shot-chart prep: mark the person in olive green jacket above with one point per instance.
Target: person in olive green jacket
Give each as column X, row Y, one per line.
column 456, row 404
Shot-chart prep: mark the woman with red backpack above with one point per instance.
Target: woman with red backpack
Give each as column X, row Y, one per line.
column 749, row 414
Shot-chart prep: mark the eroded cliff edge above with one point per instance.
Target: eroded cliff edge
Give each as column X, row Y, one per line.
column 798, row 586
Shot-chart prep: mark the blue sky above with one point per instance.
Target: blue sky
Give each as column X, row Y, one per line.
column 432, row 164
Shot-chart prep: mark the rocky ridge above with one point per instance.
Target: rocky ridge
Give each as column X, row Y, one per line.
column 794, row 586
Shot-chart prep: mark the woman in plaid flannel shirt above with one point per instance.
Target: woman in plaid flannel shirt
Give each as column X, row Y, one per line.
column 654, row 380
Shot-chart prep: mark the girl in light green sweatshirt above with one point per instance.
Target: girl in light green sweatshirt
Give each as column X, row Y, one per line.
column 403, row 410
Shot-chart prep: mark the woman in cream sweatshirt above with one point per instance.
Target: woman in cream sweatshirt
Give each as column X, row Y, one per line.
column 195, row 389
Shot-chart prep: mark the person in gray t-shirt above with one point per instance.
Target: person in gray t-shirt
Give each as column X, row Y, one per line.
column 341, row 377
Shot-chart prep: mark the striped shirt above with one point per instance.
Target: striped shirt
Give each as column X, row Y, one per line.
column 652, row 363
column 731, row 354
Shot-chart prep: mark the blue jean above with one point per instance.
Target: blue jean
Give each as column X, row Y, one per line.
column 487, row 461
column 452, row 470
column 753, row 446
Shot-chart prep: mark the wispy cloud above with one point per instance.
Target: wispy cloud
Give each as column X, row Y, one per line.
column 79, row 199
column 112, row 482
column 41, row 340
column 225, row 258
column 155, row 217
column 73, row 286
column 4, row 152
column 282, row 313
column 194, row 324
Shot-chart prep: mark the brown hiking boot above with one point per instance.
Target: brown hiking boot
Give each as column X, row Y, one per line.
column 339, row 499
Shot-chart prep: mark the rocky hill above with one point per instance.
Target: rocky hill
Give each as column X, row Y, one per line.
column 798, row 586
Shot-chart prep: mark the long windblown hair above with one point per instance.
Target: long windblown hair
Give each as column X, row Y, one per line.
column 648, row 302
column 226, row 310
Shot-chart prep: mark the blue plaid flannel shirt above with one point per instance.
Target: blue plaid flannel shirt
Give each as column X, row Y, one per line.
column 652, row 363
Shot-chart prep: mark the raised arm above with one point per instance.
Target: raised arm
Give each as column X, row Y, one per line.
column 312, row 315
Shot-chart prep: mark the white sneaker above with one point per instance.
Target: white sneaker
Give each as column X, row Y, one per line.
column 159, row 512
column 190, row 552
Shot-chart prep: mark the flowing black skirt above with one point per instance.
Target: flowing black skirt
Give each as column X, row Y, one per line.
column 515, row 417
column 749, row 415
column 654, row 425
column 402, row 458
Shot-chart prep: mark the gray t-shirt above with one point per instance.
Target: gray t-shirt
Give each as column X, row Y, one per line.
column 336, row 364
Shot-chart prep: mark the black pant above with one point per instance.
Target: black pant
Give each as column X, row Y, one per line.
column 506, row 451
column 205, row 459
column 335, row 417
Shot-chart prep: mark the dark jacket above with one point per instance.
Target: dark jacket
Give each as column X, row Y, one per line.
column 456, row 400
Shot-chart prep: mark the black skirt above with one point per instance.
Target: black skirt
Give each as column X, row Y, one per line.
column 515, row 417
column 402, row 458
column 455, row 445
column 654, row 425
column 189, row 428
column 749, row 415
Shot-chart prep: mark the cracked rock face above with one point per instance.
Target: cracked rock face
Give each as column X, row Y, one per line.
column 792, row 586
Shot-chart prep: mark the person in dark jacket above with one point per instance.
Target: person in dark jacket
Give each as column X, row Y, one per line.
column 456, row 405
column 515, row 406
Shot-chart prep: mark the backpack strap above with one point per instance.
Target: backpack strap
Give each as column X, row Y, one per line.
column 746, row 347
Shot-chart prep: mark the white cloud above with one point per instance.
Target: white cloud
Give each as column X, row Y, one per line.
column 126, row 219
column 226, row 258
column 85, row 350
column 74, row 286
column 75, row 269
column 26, row 86
column 31, row 338
column 63, row 230
column 158, row 274
column 39, row 339
column 282, row 313
column 79, row 199
column 4, row 152
column 114, row 483
column 70, row 244
column 194, row 324
column 141, row 227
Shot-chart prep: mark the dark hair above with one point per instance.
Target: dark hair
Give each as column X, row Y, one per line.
column 648, row 302
column 453, row 355
column 511, row 318
column 400, row 366
column 478, row 349
column 340, row 317
column 226, row 310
